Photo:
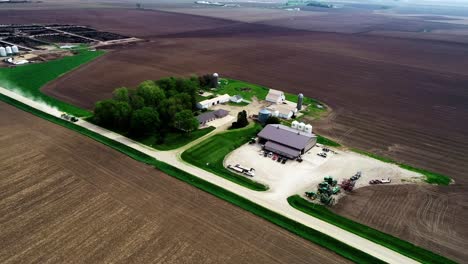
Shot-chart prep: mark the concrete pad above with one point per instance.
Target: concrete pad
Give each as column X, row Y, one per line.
column 296, row 178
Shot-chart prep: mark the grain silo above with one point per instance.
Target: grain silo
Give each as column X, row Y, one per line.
column 263, row 115
column 2, row 52
column 294, row 124
column 15, row 49
column 8, row 50
column 308, row 128
column 215, row 80
column 300, row 126
column 300, row 98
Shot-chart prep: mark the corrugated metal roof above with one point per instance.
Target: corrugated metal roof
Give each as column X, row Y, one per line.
column 208, row 116
column 281, row 149
column 287, row 136
column 273, row 95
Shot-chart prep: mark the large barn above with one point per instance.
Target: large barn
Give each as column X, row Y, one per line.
column 286, row 141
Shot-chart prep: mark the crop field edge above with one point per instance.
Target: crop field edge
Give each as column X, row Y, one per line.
column 399, row 245
column 83, row 57
column 430, row 177
column 292, row 226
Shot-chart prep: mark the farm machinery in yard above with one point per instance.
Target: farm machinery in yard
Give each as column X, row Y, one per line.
column 348, row 184
column 382, row 181
column 325, row 191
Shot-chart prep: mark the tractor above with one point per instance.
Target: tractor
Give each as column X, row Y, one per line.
column 311, row 195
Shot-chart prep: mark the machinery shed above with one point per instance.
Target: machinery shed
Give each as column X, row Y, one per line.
column 286, row 141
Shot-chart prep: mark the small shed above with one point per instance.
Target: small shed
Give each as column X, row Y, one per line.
column 236, row 99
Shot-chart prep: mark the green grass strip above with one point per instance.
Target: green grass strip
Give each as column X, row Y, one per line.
column 299, row 229
column 386, row 240
column 175, row 140
column 29, row 79
column 210, row 153
column 431, row 177
column 326, row 141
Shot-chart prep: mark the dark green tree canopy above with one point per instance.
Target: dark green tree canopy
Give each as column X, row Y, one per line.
column 185, row 121
column 121, row 94
column 242, row 120
column 151, row 93
column 144, row 121
column 272, row 120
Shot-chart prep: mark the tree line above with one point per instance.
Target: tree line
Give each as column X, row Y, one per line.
column 152, row 108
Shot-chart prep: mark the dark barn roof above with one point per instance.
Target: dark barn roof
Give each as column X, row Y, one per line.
column 283, row 150
column 208, row 116
column 286, row 136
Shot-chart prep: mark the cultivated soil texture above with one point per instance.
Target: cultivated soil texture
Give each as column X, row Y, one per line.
column 398, row 97
column 66, row 198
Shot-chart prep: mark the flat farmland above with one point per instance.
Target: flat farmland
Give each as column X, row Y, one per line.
column 128, row 22
column 65, row 198
column 402, row 98
column 431, row 217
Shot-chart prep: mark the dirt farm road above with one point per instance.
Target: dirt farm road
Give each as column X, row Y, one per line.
column 265, row 199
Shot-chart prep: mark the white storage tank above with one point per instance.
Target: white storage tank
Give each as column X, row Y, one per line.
column 2, row 52
column 301, row 126
column 294, row 124
column 15, row 49
column 308, row 128
column 8, row 50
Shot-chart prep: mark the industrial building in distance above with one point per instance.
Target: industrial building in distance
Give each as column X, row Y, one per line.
column 290, row 142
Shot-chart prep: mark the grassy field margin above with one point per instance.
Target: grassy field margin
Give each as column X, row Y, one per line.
column 299, row 229
column 386, row 240
column 29, row 79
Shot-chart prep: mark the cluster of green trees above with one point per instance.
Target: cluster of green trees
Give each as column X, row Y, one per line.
column 242, row 120
column 153, row 108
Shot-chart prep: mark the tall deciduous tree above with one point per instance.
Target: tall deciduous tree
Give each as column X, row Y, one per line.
column 151, row 93
column 185, row 121
column 144, row 121
column 121, row 94
column 241, row 120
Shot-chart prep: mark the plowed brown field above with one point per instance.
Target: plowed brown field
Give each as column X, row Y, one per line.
column 403, row 98
column 65, row 198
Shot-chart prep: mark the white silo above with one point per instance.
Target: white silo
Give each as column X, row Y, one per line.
column 2, row 52
column 215, row 80
column 294, row 124
column 15, row 49
column 308, row 128
column 8, row 50
column 300, row 98
column 301, row 126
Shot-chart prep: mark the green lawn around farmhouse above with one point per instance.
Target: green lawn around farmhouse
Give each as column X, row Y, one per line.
column 29, row 79
column 249, row 90
column 386, row 240
column 210, row 153
column 176, row 140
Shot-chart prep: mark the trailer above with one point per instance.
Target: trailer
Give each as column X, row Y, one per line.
column 236, row 169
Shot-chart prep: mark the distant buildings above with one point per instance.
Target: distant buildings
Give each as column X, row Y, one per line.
column 286, row 141
column 205, row 104
column 204, row 118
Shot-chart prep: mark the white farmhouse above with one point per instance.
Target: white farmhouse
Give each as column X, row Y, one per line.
column 275, row 96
